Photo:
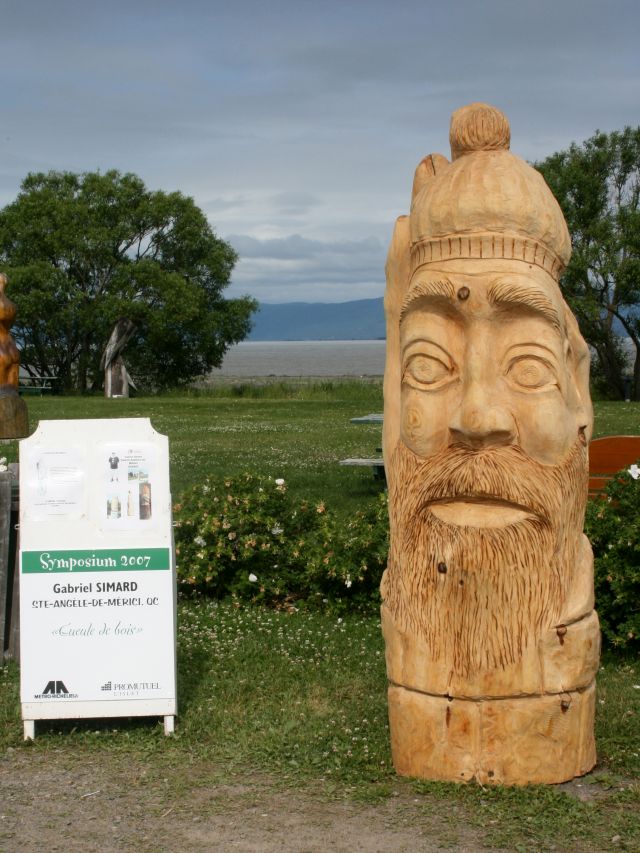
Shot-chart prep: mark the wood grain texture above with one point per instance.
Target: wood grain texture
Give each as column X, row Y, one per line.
column 13, row 410
column 492, row 643
column 607, row 456
column 511, row 741
column 14, row 418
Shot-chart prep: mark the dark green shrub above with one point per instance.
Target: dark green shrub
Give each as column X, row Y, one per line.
column 347, row 565
column 613, row 526
column 246, row 537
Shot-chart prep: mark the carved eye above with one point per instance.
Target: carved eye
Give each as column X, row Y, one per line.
column 532, row 373
column 426, row 371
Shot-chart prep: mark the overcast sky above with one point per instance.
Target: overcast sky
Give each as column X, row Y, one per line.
column 297, row 125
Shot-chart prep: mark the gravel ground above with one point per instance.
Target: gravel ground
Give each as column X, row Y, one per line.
column 59, row 800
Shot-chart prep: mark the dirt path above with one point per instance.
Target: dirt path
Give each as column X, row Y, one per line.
column 59, row 800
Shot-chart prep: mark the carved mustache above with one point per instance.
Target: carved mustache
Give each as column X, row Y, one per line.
column 503, row 474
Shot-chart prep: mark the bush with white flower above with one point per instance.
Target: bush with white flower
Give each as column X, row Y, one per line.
column 613, row 525
column 247, row 537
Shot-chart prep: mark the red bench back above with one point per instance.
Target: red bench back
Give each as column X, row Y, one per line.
column 608, row 455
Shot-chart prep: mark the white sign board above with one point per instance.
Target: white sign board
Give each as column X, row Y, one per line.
column 97, row 572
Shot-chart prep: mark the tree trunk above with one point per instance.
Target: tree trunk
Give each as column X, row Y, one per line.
column 611, row 367
column 83, row 364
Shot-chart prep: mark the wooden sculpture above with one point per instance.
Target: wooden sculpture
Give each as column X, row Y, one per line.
column 13, row 410
column 116, row 376
column 492, row 642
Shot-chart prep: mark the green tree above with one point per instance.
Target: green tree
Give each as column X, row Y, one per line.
column 84, row 251
column 598, row 187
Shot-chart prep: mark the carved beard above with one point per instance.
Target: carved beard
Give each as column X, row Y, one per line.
column 503, row 586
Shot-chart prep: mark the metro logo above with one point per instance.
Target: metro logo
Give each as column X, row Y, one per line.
column 54, row 687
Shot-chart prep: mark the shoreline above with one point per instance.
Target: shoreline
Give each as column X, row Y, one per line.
column 279, row 360
column 213, row 381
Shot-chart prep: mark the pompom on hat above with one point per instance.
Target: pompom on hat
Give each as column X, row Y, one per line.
column 486, row 203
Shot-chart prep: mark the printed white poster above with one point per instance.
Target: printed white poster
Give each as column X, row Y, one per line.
column 54, row 483
column 128, row 477
column 97, row 571
column 96, row 632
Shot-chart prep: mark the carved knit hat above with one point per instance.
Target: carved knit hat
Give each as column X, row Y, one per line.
column 486, row 203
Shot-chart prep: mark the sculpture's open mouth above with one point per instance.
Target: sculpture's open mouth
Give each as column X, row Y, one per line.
column 479, row 511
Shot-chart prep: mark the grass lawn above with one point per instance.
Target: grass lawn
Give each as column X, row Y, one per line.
column 298, row 432
column 290, row 430
column 302, row 697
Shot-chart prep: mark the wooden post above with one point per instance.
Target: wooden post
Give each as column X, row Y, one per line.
column 12, row 610
column 13, row 651
column 5, row 537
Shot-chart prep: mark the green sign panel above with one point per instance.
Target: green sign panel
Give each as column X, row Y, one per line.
column 98, row 560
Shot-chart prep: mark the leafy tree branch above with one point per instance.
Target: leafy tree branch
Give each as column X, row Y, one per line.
column 84, row 251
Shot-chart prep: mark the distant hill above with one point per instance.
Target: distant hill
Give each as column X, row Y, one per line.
column 362, row 319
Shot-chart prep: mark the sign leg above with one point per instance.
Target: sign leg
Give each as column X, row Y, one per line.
column 29, row 729
column 169, row 724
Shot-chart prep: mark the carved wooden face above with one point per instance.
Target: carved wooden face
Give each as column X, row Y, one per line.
column 486, row 361
column 487, row 415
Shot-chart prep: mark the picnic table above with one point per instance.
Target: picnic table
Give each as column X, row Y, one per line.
column 375, row 462
column 374, row 418
column 38, row 385
column 607, row 455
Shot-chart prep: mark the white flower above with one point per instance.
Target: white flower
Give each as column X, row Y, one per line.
column 634, row 470
column 252, row 578
column 276, row 530
column 347, row 583
column 200, row 541
column 279, row 481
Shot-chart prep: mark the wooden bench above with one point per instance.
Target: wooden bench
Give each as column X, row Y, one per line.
column 374, row 462
column 607, row 456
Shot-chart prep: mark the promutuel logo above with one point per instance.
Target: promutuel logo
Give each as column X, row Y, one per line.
column 55, row 690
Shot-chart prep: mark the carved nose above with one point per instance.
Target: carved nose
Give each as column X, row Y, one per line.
column 480, row 422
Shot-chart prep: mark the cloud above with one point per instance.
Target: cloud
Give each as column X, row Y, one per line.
column 295, row 268
column 301, row 248
column 230, row 203
column 295, row 203
column 300, row 122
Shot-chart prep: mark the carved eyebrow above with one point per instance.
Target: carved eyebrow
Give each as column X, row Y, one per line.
column 512, row 295
column 434, row 289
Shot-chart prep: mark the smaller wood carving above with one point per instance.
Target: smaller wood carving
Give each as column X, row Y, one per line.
column 13, row 411
column 116, row 375
column 9, row 354
column 491, row 638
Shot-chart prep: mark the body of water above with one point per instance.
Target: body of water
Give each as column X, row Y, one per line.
column 303, row 358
